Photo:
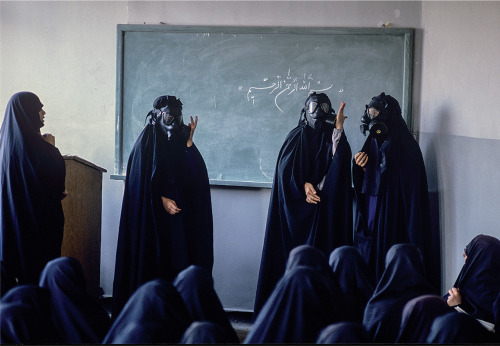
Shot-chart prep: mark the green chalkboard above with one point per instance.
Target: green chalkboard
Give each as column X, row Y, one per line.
column 248, row 85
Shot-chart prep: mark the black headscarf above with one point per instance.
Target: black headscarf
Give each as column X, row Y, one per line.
column 32, row 177
column 304, row 301
column 418, row 315
column 154, row 314
column 307, row 256
column 403, row 279
column 479, row 279
column 346, row 332
column 205, row 332
column 25, row 317
column 459, row 328
column 354, row 277
column 196, row 287
column 77, row 316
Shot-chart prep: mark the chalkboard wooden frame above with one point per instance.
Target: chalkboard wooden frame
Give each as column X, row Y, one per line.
column 402, row 84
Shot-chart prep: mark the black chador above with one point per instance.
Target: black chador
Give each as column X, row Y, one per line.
column 152, row 242
column 306, row 157
column 392, row 202
column 32, row 177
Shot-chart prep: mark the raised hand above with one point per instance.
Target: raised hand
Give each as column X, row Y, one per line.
column 192, row 125
column 339, row 122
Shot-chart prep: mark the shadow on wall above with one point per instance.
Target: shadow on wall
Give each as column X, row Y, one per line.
column 431, row 143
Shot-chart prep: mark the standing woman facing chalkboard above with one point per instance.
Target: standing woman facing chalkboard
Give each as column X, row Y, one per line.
column 32, row 179
column 166, row 220
column 311, row 201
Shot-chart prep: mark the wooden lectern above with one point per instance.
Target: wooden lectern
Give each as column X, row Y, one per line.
column 82, row 218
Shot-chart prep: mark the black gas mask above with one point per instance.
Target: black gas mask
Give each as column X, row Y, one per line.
column 168, row 114
column 376, row 117
column 318, row 111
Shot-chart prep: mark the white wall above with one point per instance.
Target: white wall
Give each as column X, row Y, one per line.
column 460, row 134
column 66, row 53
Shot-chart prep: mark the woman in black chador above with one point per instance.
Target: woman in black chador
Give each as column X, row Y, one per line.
column 478, row 284
column 311, row 200
column 32, row 176
column 166, row 220
column 391, row 194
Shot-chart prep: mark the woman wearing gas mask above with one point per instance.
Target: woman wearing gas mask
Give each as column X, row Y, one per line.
column 166, row 221
column 311, row 195
column 390, row 185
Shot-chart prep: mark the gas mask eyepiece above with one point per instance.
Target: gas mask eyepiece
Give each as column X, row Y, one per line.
column 170, row 117
column 313, row 106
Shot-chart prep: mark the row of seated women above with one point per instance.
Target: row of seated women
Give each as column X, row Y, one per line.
column 59, row 310
column 316, row 301
column 338, row 302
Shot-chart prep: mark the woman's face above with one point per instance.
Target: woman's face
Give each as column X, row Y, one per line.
column 41, row 113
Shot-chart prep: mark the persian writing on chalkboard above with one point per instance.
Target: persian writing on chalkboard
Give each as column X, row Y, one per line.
column 282, row 86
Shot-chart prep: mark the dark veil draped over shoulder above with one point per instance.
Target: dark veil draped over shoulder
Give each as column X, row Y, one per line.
column 479, row 279
column 403, row 279
column 78, row 317
column 32, row 178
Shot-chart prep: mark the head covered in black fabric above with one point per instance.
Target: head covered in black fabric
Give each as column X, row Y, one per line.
column 403, row 279
column 404, row 271
column 354, row 277
column 155, row 313
column 205, row 332
column 346, row 332
column 33, row 295
column 25, row 316
column 458, row 328
column 196, row 287
column 21, row 124
column 77, row 317
column 418, row 315
column 309, row 256
column 479, row 279
column 23, row 108
column 303, row 302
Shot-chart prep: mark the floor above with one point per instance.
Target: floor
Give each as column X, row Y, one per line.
column 242, row 323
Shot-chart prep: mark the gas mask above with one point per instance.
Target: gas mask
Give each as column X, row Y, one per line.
column 168, row 110
column 318, row 111
column 170, row 118
column 376, row 117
